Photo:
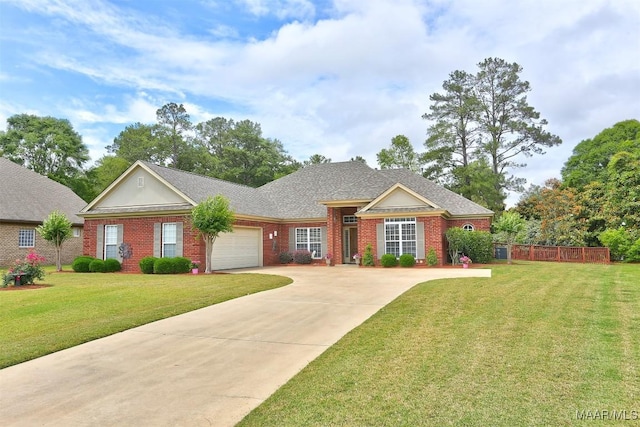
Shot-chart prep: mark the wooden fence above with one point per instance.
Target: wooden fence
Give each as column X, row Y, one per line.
column 561, row 254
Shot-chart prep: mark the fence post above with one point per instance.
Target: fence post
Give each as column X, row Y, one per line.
column 531, row 251
column 558, row 254
column 584, row 255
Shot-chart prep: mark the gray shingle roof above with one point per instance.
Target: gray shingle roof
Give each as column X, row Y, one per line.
column 242, row 199
column 27, row 196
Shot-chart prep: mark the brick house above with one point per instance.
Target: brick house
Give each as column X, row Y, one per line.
column 26, row 199
column 333, row 208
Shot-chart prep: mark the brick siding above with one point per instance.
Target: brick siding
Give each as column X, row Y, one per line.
column 9, row 250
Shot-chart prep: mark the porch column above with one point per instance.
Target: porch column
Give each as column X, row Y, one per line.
column 334, row 234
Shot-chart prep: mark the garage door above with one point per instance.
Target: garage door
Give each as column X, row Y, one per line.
column 239, row 249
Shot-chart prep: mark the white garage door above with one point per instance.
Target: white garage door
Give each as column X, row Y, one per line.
column 239, row 249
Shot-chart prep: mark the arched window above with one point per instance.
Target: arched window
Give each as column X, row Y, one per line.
column 468, row 227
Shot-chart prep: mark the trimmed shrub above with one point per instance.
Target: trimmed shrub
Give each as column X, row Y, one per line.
column 96, row 266
column 367, row 258
column 81, row 264
column 146, row 264
column 302, row 257
column 432, row 258
column 407, row 260
column 285, row 257
column 388, row 260
column 111, row 265
column 163, row 266
column 181, row 264
column 479, row 246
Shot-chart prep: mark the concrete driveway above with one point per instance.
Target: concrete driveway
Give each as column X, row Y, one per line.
column 208, row 367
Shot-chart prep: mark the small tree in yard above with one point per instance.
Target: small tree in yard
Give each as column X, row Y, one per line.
column 212, row 217
column 511, row 224
column 56, row 229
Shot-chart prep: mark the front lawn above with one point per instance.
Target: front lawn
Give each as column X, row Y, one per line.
column 80, row 307
column 537, row 344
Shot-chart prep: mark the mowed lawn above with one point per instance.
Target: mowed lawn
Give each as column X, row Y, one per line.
column 537, row 344
column 79, row 307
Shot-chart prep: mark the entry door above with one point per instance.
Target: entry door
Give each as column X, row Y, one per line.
column 350, row 244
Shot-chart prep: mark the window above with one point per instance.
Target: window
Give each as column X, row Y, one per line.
column 26, row 238
column 76, row 232
column 110, row 241
column 309, row 239
column 468, row 227
column 169, row 233
column 349, row 219
column 400, row 236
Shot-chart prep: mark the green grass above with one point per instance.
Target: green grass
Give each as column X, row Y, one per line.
column 531, row 346
column 79, row 307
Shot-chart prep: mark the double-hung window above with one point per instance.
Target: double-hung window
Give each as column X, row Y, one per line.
column 26, row 238
column 400, row 236
column 169, row 234
column 110, row 241
column 309, row 239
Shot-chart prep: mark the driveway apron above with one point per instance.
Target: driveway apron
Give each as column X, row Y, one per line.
column 207, row 367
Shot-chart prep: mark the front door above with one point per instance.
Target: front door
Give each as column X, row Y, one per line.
column 350, row 244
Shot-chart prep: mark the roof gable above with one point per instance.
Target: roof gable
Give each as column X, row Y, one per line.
column 399, row 197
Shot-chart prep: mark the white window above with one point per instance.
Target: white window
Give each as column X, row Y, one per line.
column 468, row 227
column 309, row 239
column 76, row 231
column 169, row 234
column 110, row 241
column 26, row 238
column 400, row 236
column 349, row 219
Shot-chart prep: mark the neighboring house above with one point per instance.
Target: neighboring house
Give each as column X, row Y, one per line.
column 26, row 199
column 332, row 208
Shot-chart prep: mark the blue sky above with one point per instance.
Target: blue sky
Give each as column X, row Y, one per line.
column 335, row 77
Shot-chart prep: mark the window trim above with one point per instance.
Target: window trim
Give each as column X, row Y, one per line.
column 26, row 236
column 402, row 240
column 468, row 227
column 309, row 241
column 106, row 241
column 349, row 219
column 163, row 239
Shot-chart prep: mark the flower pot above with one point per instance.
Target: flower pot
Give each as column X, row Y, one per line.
column 465, row 265
column 328, row 262
column 194, row 271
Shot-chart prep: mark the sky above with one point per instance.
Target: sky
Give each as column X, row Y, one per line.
column 339, row 78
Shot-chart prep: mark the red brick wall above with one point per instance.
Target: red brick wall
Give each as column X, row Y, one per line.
column 478, row 224
column 138, row 232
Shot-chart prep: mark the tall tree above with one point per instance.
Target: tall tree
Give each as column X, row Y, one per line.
column 56, row 229
column 511, row 127
column 478, row 183
column 174, row 122
column 140, row 142
column 45, row 145
column 400, row 154
column 211, row 217
column 590, row 157
column 316, row 159
column 453, row 137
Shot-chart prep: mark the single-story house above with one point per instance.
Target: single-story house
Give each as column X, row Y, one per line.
column 26, row 199
column 332, row 208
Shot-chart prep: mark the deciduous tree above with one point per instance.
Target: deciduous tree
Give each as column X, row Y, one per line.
column 400, row 154
column 211, row 217
column 56, row 229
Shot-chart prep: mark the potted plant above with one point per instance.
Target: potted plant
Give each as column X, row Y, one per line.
column 194, row 267
column 327, row 258
column 465, row 260
column 357, row 256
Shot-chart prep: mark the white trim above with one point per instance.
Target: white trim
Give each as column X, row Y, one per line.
column 27, row 238
column 399, row 186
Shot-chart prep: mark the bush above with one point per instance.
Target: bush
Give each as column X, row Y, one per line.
column 367, row 258
column 432, row 258
column 163, row 266
column 477, row 245
column 81, row 264
column 407, row 260
column 111, row 265
column 146, row 264
column 302, row 257
column 96, row 266
column 181, row 264
column 388, row 260
column 285, row 257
